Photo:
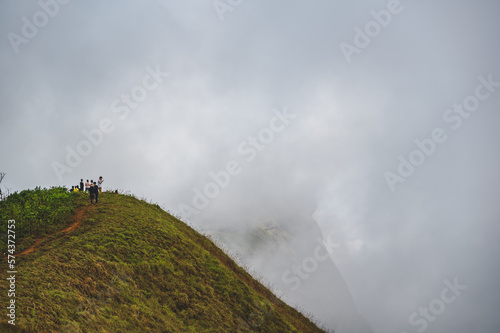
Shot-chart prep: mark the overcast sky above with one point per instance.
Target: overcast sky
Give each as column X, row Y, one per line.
column 315, row 105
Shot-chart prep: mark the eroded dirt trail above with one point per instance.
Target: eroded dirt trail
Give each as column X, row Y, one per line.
column 77, row 221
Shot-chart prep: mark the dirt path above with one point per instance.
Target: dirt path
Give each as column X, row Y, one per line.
column 77, row 221
column 77, row 218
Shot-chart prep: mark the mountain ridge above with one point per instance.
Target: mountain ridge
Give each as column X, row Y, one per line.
column 130, row 266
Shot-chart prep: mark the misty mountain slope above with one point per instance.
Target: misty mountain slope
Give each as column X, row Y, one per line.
column 130, row 266
column 275, row 249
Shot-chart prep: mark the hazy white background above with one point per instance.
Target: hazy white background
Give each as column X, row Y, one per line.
column 353, row 121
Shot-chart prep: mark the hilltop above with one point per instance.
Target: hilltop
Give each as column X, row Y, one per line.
column 125, row 265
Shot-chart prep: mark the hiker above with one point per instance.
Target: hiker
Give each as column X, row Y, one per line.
column 75, row 189
column 96, row 192
column 100, row 181
column 92, row 194
column 81, row 185
column 87, row 186
column 72, row 189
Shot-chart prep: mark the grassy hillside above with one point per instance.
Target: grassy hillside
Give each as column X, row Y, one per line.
column 124, row 265
column 37, row 212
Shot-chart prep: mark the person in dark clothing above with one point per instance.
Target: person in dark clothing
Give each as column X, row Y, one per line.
column 81, row 185
column 96, row 192
column 92, row 194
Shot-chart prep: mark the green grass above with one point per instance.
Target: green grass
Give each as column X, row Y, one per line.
column 132, row 267
column 37, row 213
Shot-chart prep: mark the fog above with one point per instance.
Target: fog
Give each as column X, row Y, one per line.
column 371, row 123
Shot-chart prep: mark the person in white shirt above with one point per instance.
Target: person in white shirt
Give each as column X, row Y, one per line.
column 99, row 184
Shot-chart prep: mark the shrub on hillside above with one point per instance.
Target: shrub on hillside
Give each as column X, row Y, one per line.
column 37, row 212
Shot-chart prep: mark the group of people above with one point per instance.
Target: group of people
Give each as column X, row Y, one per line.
column 94, row 188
